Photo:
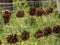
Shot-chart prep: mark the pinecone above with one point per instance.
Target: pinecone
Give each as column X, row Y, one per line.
column 47, row 31
column 0, row 42
column 49, row 10
column 39, row 34
column 12, row 39
column 32, row 11
column 6, row 16
column 25, row 35
column 6, row 20
column 56, row 29
column 39, row 11
column 20, row 13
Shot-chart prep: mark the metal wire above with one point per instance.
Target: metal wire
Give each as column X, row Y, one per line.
column 22, row 2
column 11, row 5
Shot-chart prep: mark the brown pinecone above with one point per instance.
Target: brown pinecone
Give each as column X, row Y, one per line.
column 49, row 10
column 56, row 29
column 6, row 20
column 39, row 11
column 47, row 31
column 0, row 42
column 39, row 34
column 32, row 11
column 6, row 16
column 25, row 35
column 12, row 39
column 20, row 13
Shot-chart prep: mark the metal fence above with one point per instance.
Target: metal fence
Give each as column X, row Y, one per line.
column 11, row 7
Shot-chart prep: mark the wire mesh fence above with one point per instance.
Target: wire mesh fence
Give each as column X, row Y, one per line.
column 30, row 24
column 10, row 6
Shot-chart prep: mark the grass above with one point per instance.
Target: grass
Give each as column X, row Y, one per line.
column 18, row 25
